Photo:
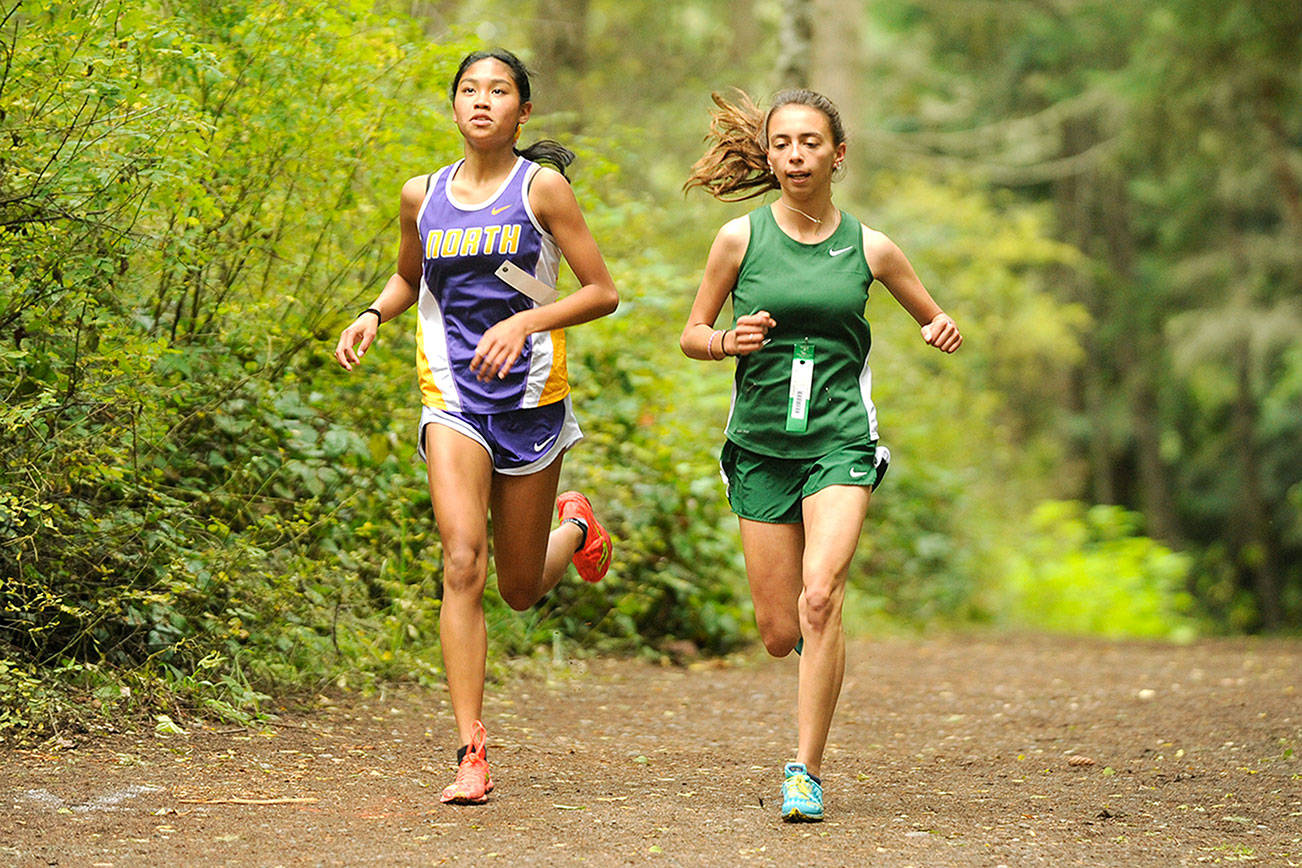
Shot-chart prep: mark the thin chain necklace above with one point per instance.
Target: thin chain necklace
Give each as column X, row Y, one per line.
column 801, row 213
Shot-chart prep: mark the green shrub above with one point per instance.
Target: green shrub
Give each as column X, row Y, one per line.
column 1087, row 570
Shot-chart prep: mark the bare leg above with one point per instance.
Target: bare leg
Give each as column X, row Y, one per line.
column 460, row 476
column 834, row 518
column 530, row 556
column 773, row 555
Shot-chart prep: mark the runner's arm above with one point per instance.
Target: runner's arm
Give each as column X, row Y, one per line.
column 552, row 200
column 401, row 289
column 889, row 265
column 698, row 340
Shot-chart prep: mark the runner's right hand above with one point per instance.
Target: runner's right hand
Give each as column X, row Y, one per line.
column 355, row 340
column 751, row 332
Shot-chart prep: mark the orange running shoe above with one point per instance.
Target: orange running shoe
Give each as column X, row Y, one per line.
column 473, row 783
column 592, row 560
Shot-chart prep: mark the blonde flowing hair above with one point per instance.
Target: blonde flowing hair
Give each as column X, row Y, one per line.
column 735, row 166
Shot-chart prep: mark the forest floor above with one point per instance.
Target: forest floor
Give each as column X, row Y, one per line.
column 945, row 751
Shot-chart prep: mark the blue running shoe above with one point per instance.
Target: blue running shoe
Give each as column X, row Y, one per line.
column 802, row 796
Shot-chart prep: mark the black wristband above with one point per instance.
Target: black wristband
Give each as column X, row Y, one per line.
column 379, row 318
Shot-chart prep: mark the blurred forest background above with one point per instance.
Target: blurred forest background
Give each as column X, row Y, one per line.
column 198, row 507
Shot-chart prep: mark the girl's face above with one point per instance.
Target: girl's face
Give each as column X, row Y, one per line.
column 487, row 104
column 802, row 152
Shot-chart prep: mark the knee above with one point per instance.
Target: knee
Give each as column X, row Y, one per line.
column 517, row 598
column 465, row 568
column 779, row 635
column 820, row 607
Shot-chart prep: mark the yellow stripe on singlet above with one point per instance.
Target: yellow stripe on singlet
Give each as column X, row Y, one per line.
column 558, row 381
column 430, row 395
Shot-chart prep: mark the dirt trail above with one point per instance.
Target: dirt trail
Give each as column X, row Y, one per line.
column 952, row 751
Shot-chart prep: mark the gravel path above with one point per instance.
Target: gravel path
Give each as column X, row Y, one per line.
column 951, row 751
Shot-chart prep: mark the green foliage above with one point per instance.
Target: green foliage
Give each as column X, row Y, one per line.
column 974, row 435
column 184, row 199
column 1165, row 138
column 1224, row 253
column 647, row 458
column 1088, row 571
column 198, row 508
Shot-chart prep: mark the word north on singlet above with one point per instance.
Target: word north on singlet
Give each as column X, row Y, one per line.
column 473, row 241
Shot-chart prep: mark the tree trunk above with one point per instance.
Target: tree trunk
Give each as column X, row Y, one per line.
column 1287, row 183
column 1093, row 214
column 560, row 43
column 745, row 32
column 1099, row 450
column 795, row 36
column 836, row 67
column 435, row 16
column 1155, row 495
column 1073, row 200
column 1139, row 356
column 1257, row 551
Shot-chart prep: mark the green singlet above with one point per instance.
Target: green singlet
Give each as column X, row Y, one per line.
column 816, row 293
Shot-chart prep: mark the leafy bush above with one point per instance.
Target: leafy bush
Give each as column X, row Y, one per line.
column 177, row 224
column 649, row 458
column 197, row 507
column 1087, row 570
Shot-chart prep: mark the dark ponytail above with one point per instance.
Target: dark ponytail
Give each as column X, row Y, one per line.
column 546, row 151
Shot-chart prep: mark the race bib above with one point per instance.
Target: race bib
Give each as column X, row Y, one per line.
column 802, row 385
column 523, row 282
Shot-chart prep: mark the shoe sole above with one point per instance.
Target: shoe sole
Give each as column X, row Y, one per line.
column 465, row 800
column 798, row 817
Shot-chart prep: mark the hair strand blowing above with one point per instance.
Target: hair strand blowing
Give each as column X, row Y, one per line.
column 735, row 165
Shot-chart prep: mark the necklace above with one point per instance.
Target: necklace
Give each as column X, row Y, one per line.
column 801, row 213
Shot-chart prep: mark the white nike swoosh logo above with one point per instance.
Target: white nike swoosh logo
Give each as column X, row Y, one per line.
column 860, row 474
column 839, row 252
column 499, row 209
column 539, row 447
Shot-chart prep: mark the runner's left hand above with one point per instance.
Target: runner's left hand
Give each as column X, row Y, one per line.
column 498, row 349
column 942, row 333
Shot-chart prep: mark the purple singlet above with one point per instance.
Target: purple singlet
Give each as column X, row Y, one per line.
column 461, row 297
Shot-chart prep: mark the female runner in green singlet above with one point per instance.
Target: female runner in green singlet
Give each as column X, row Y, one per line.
column 801, row 456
